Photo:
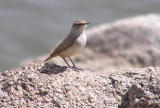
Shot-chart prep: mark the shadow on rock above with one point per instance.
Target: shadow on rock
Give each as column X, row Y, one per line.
column 50, row 68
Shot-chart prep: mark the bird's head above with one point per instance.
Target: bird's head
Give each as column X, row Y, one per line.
column 80, row 23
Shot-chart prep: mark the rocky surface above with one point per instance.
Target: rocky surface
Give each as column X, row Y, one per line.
column 111, row 72
column 50, row 85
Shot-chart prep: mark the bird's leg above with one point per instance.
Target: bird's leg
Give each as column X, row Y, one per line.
column 66, row 61
column 74, row 66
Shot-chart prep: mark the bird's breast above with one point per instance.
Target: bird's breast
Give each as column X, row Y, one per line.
column 81, row 40
column 77, row 46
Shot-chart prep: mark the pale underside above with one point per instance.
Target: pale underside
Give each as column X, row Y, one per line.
column 69, row 47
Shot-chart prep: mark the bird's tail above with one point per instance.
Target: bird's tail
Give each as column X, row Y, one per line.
column 48, row 58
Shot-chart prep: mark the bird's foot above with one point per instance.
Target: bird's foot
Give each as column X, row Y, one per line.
column 76, row 69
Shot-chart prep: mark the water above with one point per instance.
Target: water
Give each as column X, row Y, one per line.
column 30, row 28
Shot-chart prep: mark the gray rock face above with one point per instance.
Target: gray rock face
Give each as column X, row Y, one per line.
column 136, row 39
column 112, row 47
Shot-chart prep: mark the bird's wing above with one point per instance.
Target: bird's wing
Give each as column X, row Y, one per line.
column 66, row 43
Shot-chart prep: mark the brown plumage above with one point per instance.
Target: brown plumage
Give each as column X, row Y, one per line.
column 71, row 42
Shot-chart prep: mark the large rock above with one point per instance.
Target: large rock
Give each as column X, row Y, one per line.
column 49, row 85
column 137, row 40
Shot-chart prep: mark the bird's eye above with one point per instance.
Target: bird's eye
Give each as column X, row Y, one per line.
column 78, row 24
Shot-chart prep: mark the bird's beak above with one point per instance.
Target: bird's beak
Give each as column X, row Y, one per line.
column 87, row 23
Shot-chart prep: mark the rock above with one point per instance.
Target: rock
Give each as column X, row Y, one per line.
column 137, row 97
column 137, row 40
column 132, row 88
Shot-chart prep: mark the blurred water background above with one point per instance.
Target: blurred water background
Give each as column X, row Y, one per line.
column 31, row 28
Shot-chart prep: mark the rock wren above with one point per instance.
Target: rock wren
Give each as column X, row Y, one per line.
column 73, row 43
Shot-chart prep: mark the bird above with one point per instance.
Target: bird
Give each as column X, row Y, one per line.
column 72, row 44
